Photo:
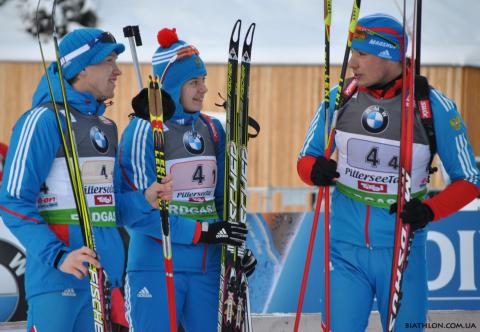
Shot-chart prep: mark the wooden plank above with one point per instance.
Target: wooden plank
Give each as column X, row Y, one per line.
column 283, row 99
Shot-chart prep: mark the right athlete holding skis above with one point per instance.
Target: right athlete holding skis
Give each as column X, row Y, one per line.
column 367, row 138
column 194, row 153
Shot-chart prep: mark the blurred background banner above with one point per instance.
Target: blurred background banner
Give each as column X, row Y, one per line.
column 280, row 240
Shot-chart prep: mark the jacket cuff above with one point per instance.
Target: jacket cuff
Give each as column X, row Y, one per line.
column 60, row 258
column 454, row 197
column 304, row 168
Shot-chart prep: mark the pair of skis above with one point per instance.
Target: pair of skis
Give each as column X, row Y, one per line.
column 99, row 285
column 233, row 310
column 132, row 33
column 156, row 120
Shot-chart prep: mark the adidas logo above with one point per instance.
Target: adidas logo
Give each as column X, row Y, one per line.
column 385, row 54
column 222, row 234
column 144, row 293
column 69, row 292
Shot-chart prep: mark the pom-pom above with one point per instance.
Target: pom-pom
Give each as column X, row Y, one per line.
column 167, row 37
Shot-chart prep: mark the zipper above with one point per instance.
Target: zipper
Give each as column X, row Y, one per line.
column 367, row 220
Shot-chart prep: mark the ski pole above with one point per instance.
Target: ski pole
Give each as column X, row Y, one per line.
column 403, row 235
column 132, row 33
column 306, row 268
column 418, row 32
column 326, row 223
column 326, row 190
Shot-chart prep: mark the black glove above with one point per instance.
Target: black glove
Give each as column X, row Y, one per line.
column 248, row 263
column 223, row 232
column 140, row 105
column 415, row 213
column 324, row 171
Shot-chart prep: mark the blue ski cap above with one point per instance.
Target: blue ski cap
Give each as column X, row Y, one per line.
column 380, row 35
column 84, row 47
column 175, row 62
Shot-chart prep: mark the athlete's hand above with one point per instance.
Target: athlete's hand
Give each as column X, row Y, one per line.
column 75, row 261
column 223, row 232
column 248, row 263
column 162, row 190
column 415, row 213
column 324, row 171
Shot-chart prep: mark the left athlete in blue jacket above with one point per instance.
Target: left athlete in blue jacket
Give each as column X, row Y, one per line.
column 36, row 199
column 195, row 153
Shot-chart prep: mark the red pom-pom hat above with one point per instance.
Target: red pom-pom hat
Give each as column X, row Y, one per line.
column 167, row 37
column 176, row 62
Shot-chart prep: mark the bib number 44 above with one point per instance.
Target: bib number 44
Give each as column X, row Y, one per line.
column 373, row 159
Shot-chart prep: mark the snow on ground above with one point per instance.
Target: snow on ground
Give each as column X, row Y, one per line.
column 288, row 31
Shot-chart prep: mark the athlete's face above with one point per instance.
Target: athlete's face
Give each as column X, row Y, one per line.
column 99, row 79
column 193, row 93
column 370, row 70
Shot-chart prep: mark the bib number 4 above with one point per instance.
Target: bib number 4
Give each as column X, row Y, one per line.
column 199, row 177
column 373, row 159
column 192, row 175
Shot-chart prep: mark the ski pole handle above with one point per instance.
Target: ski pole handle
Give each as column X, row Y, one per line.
column 132, row 32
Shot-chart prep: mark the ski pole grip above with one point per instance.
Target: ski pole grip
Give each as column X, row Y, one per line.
column 133, row 33
column 136, row 34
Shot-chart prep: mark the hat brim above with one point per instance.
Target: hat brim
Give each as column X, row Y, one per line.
column 105, row 49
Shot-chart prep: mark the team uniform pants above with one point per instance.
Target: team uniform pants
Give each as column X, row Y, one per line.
column 359, row 274
column 196, row 301
column 67, row 311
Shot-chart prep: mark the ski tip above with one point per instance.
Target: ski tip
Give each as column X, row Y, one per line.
column 249, row 35
column 235, row 37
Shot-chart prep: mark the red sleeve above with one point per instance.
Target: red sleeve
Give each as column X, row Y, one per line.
column 198, row 231
column 453, row 198
column 304, row 168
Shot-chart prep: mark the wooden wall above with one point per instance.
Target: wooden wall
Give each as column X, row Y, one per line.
column 282, row 99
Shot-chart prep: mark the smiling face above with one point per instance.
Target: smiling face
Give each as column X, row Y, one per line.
column 99, row 79
column 370, row 70
column 193, row 93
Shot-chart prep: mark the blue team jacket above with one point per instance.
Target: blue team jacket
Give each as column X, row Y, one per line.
column 349, row 216
column 34, row 143
column 145, row 248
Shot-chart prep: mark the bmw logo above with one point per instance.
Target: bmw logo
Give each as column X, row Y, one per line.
column 194, row 142
column 375, row 119
column 99, row 140
column 12, row 293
